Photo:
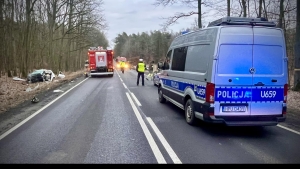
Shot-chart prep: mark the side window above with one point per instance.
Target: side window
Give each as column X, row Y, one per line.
column 179, row 56
column 198, row 58
column 167, row 61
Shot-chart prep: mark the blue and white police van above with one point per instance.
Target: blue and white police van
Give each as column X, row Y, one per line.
column 232, row 72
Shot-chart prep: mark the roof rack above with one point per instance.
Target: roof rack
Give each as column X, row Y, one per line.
column 242, row 21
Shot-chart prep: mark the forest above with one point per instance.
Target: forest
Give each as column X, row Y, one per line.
column 50, row 34
column 55, row 34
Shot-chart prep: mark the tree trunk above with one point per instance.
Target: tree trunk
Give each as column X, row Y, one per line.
column 199, row 14
column 228, row 7
column 259, row 9
column 297, row 50
column 68, row 64
column 265, row 9
column 1, row 38
column 281, row 15
column 244, row 8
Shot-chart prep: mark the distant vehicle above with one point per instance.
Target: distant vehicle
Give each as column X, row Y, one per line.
column 100, row 61
column 41, row 75
column 155, row 78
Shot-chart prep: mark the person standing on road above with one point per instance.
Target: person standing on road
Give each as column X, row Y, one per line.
column 122, row 64
column 140, row 68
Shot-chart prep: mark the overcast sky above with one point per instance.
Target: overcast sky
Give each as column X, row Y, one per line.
column 133, row 16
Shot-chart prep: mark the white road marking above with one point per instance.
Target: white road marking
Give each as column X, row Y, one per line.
column 135, row 99
column 124, row 85
column 158, row 155
column 37, row 112
column 164, row 142
column 291, row 130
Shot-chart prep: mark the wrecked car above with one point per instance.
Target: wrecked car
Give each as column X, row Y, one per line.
column 36, row 76
column 40, row 75
column 49, row 75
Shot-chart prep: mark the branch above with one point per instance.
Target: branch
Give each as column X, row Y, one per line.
column 172, row 20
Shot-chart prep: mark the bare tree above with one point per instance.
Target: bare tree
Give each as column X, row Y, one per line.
column 259, row 8
column 172, row 20
column 281, row 15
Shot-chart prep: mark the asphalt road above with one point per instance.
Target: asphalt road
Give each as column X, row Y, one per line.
column 112, row 120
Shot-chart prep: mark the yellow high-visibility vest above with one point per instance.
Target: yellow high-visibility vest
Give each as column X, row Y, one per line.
column 141, row 67
column 122, row 64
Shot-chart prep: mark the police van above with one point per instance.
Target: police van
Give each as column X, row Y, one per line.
column 232, row 72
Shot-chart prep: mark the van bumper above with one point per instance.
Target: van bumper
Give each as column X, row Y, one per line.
column 266, row 120
column 257, row 120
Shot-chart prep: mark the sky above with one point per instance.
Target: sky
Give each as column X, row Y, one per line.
column 137, row 16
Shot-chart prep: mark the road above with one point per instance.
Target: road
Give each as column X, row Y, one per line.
column 113, row 121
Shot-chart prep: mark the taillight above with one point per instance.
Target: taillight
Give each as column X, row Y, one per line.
column 210, row 93
column 285, row 91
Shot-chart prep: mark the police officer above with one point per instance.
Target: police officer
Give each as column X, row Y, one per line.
column 122, row 66
column 140, row 68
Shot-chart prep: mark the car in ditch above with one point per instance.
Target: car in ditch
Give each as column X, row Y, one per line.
column 40, row 75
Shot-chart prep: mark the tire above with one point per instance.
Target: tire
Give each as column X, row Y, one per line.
column 190, row 113
column 160, row 96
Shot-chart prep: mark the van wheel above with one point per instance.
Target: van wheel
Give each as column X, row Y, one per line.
column 160, row 96
column 190, row 113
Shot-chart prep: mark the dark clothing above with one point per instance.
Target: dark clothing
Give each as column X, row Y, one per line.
column 140, row 74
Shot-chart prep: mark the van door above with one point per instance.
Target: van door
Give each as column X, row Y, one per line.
column 233, row 78
column 101, row 59
column 269, row 71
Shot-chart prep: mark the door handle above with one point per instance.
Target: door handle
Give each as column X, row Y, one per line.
column 274, row 80
column 259, row 84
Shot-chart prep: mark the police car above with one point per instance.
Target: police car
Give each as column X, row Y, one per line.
column 232, row 72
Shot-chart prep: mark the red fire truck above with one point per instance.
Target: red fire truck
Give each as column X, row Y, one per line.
column 100, row 61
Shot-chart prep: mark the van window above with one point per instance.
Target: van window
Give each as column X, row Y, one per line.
column 167, row 61
column 235, row 59
column 263, row 54
column 197, row 58
column 178, row 60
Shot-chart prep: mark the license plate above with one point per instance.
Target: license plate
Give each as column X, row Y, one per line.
column 234, row 108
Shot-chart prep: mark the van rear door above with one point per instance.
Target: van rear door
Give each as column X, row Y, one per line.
column 251, row 71
column 270, row 71
column 233, row 80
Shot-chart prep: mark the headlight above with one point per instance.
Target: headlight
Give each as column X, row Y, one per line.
column 118, row 65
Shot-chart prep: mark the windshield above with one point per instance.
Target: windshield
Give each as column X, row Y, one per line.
column 38, row 71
